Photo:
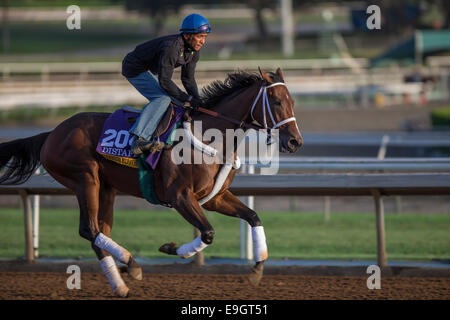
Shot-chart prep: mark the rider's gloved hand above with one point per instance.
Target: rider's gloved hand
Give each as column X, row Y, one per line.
column 187, row 105
column 193, row 103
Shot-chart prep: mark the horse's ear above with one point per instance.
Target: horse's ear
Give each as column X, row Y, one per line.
column 265, row 76
column 279, row 73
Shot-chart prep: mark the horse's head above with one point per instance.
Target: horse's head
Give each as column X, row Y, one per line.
column 274, row 108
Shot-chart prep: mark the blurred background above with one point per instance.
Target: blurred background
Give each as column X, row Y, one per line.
column 344, row 77
column 359, row 92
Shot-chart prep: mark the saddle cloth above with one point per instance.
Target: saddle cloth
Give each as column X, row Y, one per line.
column 115, row 141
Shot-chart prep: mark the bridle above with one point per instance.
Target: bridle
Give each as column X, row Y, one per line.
column 265, row 106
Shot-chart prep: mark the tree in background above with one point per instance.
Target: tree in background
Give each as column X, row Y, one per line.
column 5, row 28
column 446, row 7
column 158, row 10
column 259, row 6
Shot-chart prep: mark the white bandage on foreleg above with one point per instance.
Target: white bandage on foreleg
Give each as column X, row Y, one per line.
column 189, row 249
column 111, row 272
column 107, row 244
column 259, row 243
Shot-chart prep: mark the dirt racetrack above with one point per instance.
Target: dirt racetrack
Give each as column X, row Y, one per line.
column 26, row 285
column 227, row 282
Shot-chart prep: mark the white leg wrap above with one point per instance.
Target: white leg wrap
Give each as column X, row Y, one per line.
column 259, row 243
column 189, row 249
column 107, row 244
column 112, row 274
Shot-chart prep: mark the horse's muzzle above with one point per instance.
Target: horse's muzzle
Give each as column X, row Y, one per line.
column 290, row 144
column 294, row 144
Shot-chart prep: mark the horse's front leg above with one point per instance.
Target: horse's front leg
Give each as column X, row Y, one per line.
column 228, row 204
column 186, row 204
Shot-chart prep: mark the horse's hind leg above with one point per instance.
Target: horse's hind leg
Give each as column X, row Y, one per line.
column 68, row 156
column 105, row 221
column 230, row 205
column 87, row 192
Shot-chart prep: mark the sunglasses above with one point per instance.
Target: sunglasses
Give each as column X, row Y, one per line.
column 202, row 29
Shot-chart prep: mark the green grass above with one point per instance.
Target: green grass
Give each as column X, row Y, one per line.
column 289, row 235
column 95, row 37
column 440, row 116
column 60, row 3
column 50, row 37
column 29, row 115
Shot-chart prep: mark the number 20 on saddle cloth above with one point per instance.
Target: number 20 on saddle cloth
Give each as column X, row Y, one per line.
column 115, row 145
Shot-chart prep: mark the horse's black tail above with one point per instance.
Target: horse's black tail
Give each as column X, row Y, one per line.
column 20, row 158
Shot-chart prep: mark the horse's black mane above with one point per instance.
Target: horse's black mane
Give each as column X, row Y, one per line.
column 213, row 93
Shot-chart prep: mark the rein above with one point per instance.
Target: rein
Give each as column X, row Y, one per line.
column 215, row 114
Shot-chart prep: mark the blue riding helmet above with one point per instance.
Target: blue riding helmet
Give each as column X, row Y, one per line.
column 195, row 23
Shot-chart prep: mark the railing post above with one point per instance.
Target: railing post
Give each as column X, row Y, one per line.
column 381, row 243
column 250, row 204
column 199, row 257
column 28, row 221
column 245, row 236
column 242, row 227
column 36, row 214
column 327, row 209
column 383, row 147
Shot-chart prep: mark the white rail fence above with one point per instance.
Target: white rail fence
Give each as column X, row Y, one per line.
column 62, row 84
column 423, row 177
column 83, row 68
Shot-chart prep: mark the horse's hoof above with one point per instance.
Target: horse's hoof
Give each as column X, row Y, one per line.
column 123, row 269
column 256, row 274
column 122, row 291
column 134, row 269
column 255, row 278
column 169, row 248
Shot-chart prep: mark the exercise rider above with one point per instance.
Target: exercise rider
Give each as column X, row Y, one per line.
column 149, row 68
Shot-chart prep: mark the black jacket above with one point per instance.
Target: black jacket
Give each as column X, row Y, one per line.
column 161, row 56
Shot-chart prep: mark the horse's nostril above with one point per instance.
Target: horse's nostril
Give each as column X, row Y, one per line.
column 293, row 143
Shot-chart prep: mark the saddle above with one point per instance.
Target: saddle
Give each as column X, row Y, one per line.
column 164, row 123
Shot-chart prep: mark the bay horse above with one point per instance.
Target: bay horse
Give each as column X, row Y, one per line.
column 68, row 153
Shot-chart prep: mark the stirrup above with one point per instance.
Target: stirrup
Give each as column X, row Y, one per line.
column 140, row 145
column 157, row 146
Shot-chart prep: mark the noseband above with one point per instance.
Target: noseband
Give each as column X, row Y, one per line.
column 266, row 106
